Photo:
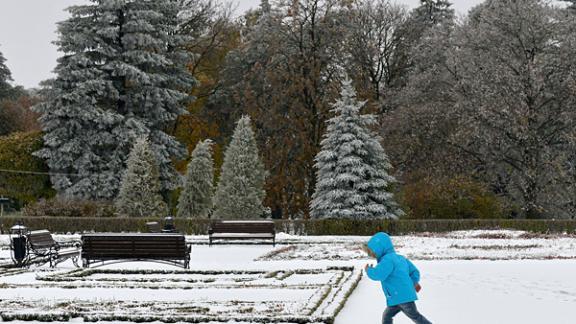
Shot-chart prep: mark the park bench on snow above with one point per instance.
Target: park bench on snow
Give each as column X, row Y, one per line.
column 161, row 247
column 154, row 227
column 42, row 247
column 242, row 230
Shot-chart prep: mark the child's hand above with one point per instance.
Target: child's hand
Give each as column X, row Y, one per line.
column 367, row 266
column 417, row 287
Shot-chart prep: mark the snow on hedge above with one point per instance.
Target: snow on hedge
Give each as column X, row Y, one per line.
column 140, row 295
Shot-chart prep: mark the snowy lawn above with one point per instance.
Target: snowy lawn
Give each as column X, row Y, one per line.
column 223, row 284
column 468, row 277
column 480, row 292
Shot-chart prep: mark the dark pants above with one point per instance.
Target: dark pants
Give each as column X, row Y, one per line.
column 409, row 309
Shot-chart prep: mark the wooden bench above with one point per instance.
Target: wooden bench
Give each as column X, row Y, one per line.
column 43, row 247
column 154, row 227
column 168, row 248
column 242, row 230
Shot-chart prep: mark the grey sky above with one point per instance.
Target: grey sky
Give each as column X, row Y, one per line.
column 27, row 29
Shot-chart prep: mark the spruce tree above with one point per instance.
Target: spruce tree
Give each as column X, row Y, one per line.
column 353, row 179
column 240, row 191
column 197, row 193
column 434, row 12
column 123, row 76
column 140, row 189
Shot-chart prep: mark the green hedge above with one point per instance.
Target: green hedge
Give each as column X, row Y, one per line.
column 316, row 227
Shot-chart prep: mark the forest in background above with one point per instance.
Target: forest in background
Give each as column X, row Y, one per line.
column 476, row 114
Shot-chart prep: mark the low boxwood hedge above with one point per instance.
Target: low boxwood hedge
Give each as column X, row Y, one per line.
column 300, row 227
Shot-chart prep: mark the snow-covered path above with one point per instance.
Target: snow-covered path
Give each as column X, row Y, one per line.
column 480, row 292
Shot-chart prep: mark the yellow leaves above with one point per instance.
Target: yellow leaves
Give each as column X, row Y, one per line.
column 200, row 124
column 16, row 154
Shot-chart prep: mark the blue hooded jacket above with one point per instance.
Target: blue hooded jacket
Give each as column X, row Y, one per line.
column 396, row 273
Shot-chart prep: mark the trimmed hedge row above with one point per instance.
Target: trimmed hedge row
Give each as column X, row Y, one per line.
column 400, row 227
column 299, row 227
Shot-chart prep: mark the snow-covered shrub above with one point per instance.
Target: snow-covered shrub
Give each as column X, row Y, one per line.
column 140, row 189
column 240, row 191
column 197, row 193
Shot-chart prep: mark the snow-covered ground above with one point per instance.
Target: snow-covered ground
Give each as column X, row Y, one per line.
column 480, row 292
column 468, row 277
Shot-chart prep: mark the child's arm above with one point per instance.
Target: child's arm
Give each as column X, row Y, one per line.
column 414, row 273
column 381, row 271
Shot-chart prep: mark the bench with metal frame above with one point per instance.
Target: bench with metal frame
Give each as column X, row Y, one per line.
column 154, row 227
column 122, row 247
column 42, row 247
column 242, row 230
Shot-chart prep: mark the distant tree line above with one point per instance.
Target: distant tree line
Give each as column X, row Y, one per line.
column 475, row 113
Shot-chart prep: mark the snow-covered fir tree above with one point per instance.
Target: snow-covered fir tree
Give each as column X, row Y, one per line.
column 353, row 179
column 140, row 189
column 122, row 76
column 196, row 198
column 240, row 190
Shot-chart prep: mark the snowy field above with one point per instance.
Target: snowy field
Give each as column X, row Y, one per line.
column 467, row 277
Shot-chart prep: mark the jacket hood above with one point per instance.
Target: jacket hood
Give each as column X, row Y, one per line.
column 381, row 244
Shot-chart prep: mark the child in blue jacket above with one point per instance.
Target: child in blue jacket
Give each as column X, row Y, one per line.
column 399, row 279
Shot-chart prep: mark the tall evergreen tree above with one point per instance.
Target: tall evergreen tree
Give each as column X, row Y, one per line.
column 123, row 76
column 5, row 76
column 240, row 191
column 434, row 12
column 353, row 169
column 140, row 189
column 196, row 199
column 374, row 45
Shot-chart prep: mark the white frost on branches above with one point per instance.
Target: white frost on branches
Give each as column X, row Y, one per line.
column 353, row 179
column 140, row 189
column 240, row 191
column 198, row 192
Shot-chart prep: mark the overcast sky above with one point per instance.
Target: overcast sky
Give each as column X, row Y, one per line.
column 27, row 29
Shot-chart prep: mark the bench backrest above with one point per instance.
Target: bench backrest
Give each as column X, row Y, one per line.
column 41, row 239
column 243, row 227
column 130, row 246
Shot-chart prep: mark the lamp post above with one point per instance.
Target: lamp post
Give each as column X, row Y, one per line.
column 169, row 225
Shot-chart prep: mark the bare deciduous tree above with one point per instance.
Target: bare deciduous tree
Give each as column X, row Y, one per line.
column 502, row 91
column 375, row 36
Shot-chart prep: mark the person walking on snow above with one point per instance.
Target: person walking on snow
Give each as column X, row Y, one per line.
column 399, row 279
